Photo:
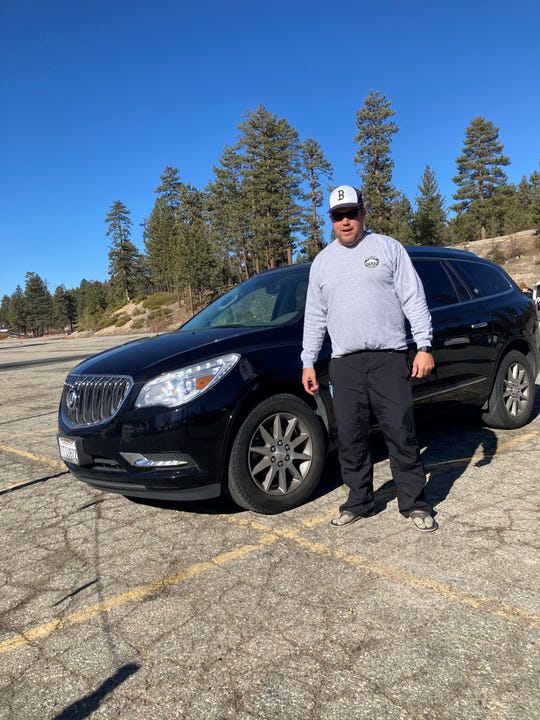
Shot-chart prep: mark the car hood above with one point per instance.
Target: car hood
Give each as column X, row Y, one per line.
column 151, row 356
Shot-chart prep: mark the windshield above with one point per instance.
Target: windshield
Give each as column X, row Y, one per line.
column 264, row 300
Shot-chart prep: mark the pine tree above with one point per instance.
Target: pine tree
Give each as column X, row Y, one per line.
column 126, row 267
column 429, row 224
column 4, row 311
column 507, row 209
column 160, row 230
column 535, row 203
column 230, row 227
column 316, row 170
column 17, row 312
column 462, row 229
column 271, row 178
column 401, row 219
column 195, row 258
column 64, row 309
column 374, row 137
column 91, row 298
column 527, row 195
column 38, row 304
column 480, row 171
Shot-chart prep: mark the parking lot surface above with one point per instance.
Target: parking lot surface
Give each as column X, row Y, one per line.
column 123, row 610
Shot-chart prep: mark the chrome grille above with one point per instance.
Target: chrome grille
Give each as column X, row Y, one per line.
column 93, row 399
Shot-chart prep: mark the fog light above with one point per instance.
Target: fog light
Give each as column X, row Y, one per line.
column 159, row 460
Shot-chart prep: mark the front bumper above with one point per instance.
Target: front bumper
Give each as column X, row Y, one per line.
column 159, row 453
column 189, row 485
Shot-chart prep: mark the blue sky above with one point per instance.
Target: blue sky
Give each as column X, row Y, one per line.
column 97, row 98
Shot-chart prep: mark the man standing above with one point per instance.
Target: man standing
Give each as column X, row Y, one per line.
column 361, row 288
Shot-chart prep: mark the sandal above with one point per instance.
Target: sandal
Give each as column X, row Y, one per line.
column 345, row 518
column 423, row 521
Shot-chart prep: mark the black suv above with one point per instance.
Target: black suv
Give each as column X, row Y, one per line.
column 219, row 406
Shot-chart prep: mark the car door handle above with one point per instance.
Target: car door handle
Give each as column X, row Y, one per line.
column 476, row 326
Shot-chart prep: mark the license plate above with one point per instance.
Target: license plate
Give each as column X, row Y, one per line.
column 68, row 450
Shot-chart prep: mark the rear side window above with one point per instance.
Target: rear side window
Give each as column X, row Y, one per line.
column 439, row 288
column 483, row 280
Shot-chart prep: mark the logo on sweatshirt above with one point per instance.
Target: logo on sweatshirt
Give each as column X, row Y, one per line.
column 371, row 262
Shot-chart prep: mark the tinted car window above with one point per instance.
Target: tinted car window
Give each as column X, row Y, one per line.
column 482, row 279
column 266, row 300
column 438, row 287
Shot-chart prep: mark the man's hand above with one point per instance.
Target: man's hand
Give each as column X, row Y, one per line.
column 423, row 364
column 309, row 380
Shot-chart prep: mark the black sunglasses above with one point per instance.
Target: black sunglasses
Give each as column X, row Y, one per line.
column 338, row 215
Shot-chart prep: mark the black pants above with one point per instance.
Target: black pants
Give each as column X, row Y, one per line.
column 377, row 381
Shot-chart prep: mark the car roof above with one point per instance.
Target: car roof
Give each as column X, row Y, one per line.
column 298, row 267
column 415, row 251
column 442, row 252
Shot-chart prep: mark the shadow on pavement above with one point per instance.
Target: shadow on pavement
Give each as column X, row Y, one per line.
column 86, row 706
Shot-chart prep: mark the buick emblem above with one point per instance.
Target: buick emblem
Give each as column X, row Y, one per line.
column 71, row 399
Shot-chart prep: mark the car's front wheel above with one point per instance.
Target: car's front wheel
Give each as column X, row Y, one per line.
column 277, row 456
column 512, row 397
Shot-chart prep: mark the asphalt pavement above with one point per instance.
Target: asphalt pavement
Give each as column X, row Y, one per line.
column 122, row 610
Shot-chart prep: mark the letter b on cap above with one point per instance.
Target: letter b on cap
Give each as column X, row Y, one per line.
column 344, row 195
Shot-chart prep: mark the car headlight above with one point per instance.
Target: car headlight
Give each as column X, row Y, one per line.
column 181, row 386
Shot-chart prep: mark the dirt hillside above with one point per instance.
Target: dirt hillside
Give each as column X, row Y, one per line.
column 517, row 254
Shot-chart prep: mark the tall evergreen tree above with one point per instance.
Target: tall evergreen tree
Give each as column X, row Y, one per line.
column 429, row 224
column 401, row 219
column 317, row 172
column 462, row 229
column 195, row 258
column 17, row 312
column 271, row 179
column 38, row 303
column 526, row 198
column 126, row 269
column 64, row 309
column 4, row 311
column 91, row 297
column 375, row 130
column 480, row 171
column 230, row 227
column 160, row 230
column 535, row 203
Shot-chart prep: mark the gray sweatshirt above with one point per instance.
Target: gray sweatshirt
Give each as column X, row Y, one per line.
column 362, row 295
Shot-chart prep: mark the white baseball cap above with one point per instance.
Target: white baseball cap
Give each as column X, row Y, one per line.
column 345, row 196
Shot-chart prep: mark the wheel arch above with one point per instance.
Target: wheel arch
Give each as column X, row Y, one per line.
column 257, row 393
column 521, row 346
column 495, row 411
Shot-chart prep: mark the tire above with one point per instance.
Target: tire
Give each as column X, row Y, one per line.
column 277, row 457
column 512, row 398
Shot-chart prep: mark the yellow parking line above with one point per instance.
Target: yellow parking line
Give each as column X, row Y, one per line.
column 517, row 441
column 503, row 447
column 480, row 602
column 138, row 593
column 29, row 456
column 389, row 572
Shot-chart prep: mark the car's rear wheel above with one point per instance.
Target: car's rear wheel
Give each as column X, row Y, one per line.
column 277, row 457
column 512, row 397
